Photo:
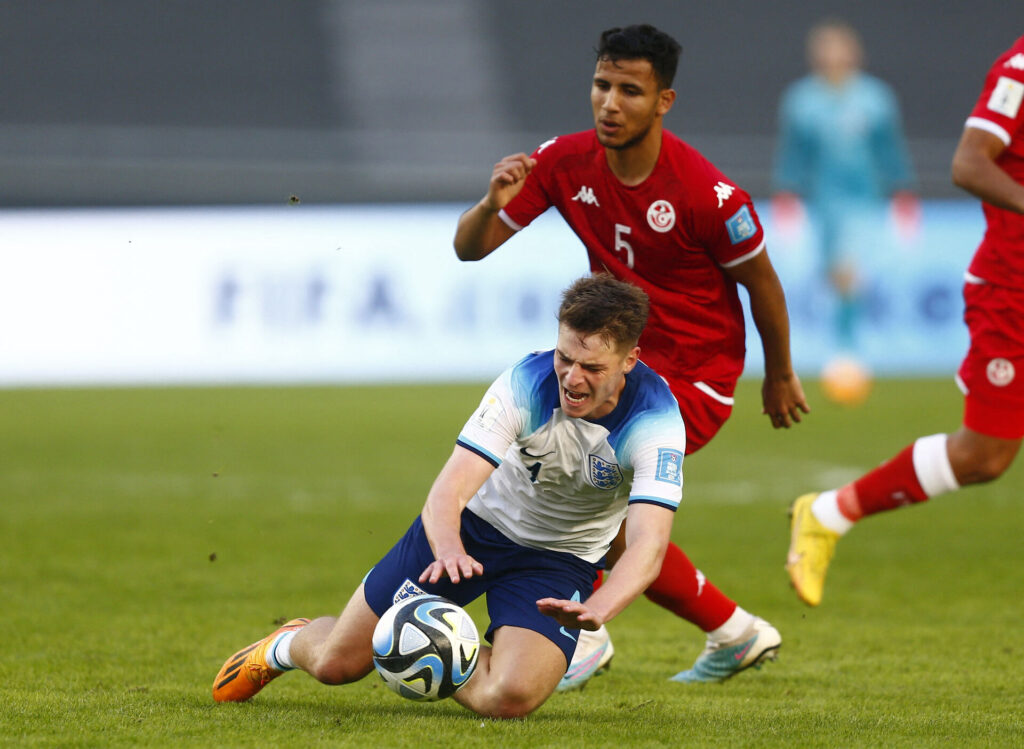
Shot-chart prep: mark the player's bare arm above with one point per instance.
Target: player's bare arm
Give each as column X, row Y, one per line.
column 782, row 395
column 975, row 170
column 480, row 230
column 461, row 477
column 647, row 533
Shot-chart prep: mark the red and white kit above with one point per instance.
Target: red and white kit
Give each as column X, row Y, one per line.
column 992, row 373
column 671, row 235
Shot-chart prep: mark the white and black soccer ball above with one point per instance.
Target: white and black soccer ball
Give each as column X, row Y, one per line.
column 425, row 648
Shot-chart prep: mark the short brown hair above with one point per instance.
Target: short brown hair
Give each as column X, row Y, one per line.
column 602, row 305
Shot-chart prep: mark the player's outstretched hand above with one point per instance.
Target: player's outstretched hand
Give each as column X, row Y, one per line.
column 507, row 179
column 571, row 614
column 784, row 400
column 455, row 566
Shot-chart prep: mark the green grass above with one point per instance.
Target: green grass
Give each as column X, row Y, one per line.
column 147, row 534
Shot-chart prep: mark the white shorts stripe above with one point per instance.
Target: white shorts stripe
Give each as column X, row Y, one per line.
column 706, row 389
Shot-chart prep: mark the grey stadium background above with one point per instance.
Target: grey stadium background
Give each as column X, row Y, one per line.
column 124, row 102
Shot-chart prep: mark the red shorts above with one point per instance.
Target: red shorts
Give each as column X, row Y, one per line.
column 704, row 410
column 992, row 373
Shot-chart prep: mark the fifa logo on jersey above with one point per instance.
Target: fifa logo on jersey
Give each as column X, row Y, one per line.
column 1006, row 97
column 604, row 474
column 723, row 192
column 586, row 195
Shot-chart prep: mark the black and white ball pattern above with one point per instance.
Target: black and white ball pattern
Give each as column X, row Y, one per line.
column 425, row 647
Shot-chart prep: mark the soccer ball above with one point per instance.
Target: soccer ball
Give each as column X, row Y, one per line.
column 846, row 381
column 425, row 648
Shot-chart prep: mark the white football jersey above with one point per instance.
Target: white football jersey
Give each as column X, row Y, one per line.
column 563, row 483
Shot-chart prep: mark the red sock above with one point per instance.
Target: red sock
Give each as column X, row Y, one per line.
column 893, row 484
column 684, row 591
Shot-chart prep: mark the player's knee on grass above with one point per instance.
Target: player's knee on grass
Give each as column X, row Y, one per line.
column 516, row 676
column 512, row 696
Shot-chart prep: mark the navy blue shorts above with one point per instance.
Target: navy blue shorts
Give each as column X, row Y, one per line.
column 515, row 577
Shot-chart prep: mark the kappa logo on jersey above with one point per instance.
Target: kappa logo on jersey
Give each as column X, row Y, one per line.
column 1000, row 372
column 545, row 144
column 661, row 216
column 1006, row 97
column 724, row 192
column 604, row 474
column 586, row 195
column 408, row 589
column 670, row 466
column 741, row 225
column 1016, row 62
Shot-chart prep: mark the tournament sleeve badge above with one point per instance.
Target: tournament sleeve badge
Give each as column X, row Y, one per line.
column 741, row 225
column 670, row 466
column 1006, row 97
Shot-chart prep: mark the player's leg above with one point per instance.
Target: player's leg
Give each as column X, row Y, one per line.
column 335, row 650
column 515, row 676
column 680, row 587
column 929, row 467
column 522, row 577
column 685, row 591
column 253, row 667
column 834, row 227
column 981, row 450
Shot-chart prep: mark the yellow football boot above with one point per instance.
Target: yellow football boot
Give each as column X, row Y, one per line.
column 811, row 546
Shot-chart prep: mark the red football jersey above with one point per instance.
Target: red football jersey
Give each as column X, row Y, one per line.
column 671, row 235
column 1000, row 111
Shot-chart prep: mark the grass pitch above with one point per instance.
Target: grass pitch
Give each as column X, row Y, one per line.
column 147, row 534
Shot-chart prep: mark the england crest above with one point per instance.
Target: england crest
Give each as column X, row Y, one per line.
column 408, row 589
column 604, row 474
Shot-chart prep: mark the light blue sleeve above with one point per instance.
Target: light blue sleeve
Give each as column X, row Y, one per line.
column 791, row 152
column 890, row 145
column 653, row 446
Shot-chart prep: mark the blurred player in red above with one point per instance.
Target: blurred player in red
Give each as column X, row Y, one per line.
column 988, row 163
column 651, row 210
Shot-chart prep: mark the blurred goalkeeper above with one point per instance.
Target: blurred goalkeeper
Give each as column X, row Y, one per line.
column 651, row 210
column 989, row 164
column 565, row 446
column 842, row 154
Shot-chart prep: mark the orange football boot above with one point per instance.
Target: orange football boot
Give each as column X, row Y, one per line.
column 247, row 671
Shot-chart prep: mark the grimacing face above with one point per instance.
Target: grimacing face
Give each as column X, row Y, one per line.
column 626, row 101
column 591, row 373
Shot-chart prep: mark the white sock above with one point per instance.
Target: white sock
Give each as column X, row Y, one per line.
column 733, row 628
column 279, row 654
column 826, row 509
column 931, row 464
